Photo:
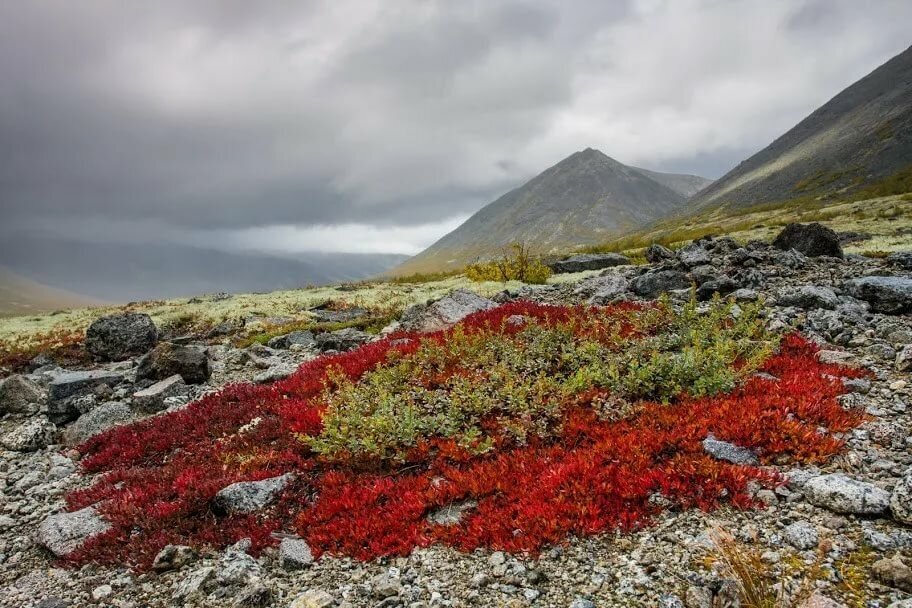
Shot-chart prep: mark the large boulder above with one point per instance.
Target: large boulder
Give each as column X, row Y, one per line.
column 250, row 496
column 342, row 340
column 121, row 336
column 810, row 239
column 68, row 384
column 589, row 261
column 32, row 435
column 656, row 282
column 97, row 421
column 63, row 533
column 901, row 499
column 808, row 296
column 19, row 395
column 607, row 289
column 843, row 494
column 694, row 255
column 722, row 285
column 889, row 295
column 445, row 312
column 656, row 253
column 167, row 359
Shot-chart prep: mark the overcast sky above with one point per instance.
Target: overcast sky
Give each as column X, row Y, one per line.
column 371, row 126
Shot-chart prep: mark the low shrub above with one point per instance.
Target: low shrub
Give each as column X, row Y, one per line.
column 516, row 263
column 64, row 347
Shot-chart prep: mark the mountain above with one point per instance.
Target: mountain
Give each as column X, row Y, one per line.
column 120, row 272
column 21, row 296
column 862, row 135
column 586, row 198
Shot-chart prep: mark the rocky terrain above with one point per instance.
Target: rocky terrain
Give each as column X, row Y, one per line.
column 834, row 535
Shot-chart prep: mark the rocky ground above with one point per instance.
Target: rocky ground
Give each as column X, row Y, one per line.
column 835, row 536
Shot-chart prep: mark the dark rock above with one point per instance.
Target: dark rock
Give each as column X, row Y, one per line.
column 250, row 496
column 166, row 360
column 19, row 395
column 63, row 533
column 656, row 282
column 68, row 384
column 656, row 253
column 722, row 285
column 121, row 336
column 445, row 312
column 903, row 259
column 343, row 339
column 589, row 261
column 808, row 296
column 325, row 315
column 810, row 239
column 97, row 421
column 694, row 255
column 304, row 339
column 173, row 557
column 889, row 295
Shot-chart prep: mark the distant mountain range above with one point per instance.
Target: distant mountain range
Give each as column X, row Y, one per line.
column 22, row 296
column 118, row 272
column 586, row 198
column 861, row 135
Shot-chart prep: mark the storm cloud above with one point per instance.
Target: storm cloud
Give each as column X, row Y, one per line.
column 373, row 126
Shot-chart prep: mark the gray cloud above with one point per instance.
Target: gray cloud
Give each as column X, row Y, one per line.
column 173, row 118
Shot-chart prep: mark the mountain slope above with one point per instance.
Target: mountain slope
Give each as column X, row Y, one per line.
column 22, row 296
column 583, row 199
column 861, row 135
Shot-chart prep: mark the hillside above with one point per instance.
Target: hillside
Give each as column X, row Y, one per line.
column 862, row 135
column 21, row 296
column 583, row 199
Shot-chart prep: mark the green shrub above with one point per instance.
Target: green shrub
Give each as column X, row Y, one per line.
column 516, row 263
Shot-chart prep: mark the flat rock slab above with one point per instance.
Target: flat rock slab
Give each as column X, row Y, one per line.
column 589, row 261
column 63, row 533
column 152, row 399
column 843, row 494
column 68, row 384
column 250, row 496
column 445, row 312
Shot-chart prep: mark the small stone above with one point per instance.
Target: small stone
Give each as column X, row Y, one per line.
column 342, row 340
column 173, row 557
column 893, row 572
column 904, row 359
column 63, row 533
column 35, row 434
column 295, row 554
column 729, row 452
column 842, row 494
column 313, row 598
column 801, row 535
column 67, row 384
column 189, row 362
column 195, row 583
column 497, row 558
column 656, row 253
column 152, row 399
column 445, row 312
column 101, row 592
column 250, row 496
column 818, row 600
column 901, row 499
column 97, row 420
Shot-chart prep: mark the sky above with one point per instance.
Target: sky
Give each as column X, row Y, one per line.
column 376, row 126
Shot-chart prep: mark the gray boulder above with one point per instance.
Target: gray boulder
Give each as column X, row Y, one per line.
column 607, row 288
column 802, row 535
column 889, row 295
column 903, row 259
column 342, row 339
column 34, row 434
column 19, row 395
column 729, row 452
column 189, row 362
column 656, row 282
column 694, row 255
column 295, row 554
column 68, row 384
column 843, row 494
column 98, row 420
column 63, row 533
column 304, row 339
column 589, row 261
column 810, row 239
column 656, row 253
column 274, row 373
column 121, row 336
column 901, row 499
column 445, row 312
column 250, row 496
column 808, row 296
column 152, row 398
column 722, row 285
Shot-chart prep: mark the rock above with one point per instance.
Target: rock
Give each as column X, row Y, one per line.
column 255, row 593
column 236, row 567
column 121, row 336
column 445, row 312
column 304, row 339
column 656, row 282
column 904, row 359
column 607, row 289
column 63, row 533
column 694, row 255
column 32, row 435
column 903, row 259
column 801, row 535
column 152, row 399
column 194, row 584
column 729, row 452
column 842, row 494
column 325, row 315
column 101, row 592
column 581, row 603
column 818, row 600
column 67, row 384
column 451, row 514
column 589, row 261
column 167, row 359
column 889, row 295
column 893, row 572
column 665, row 601
column 19, row 395
column 173, row 557
column 744, row 295
column 313, row 598
column 722, row 285
column 385, row 586
column 277, row 372
column 656, row 253
column 698, row 597
column 250, row 496
column 901, row 499
column 343, row 339
column 295, row 554
column 808, row 296
column 97, row 420
column 810, row 239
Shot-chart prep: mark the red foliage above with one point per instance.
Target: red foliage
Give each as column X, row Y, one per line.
column 162, row 473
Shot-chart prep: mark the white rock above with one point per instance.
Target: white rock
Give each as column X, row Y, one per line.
column 846, row 495
column 63, row 533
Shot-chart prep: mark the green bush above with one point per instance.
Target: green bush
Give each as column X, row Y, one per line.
column 515, row 263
